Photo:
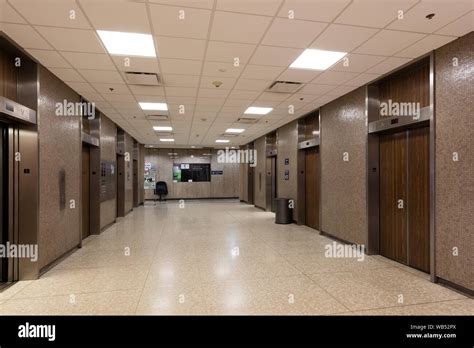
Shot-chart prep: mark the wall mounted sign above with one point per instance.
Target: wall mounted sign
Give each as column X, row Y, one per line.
column 287, row 161
column 107, row 180
column 150, row 176
column 217, row 172
column 287, row 174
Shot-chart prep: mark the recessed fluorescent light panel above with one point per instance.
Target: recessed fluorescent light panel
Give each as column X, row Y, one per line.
column 317, row 59
column 222, row 141
column 162, row 129
column 153, row 106
column 128, row 44
column 166, row 139
column 234, row 130
column 256, row 110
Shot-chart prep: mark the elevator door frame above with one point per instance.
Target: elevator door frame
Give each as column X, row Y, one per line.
column 120, row 185
column 86, row 201
column 271, row 189
column 318, row 186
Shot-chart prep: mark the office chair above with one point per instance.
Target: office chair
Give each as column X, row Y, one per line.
column 160, row 189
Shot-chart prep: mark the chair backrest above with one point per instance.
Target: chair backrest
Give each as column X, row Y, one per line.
column 161, row 188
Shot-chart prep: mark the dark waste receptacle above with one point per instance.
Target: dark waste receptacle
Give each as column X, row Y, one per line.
column 283, row 211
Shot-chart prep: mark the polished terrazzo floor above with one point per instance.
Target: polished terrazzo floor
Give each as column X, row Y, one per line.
column 223, row 257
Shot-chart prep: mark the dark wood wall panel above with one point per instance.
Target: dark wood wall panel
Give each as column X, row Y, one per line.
column 409, row 85
column 8, row 76
column 312, row 126
column 419, row 198
column 393, row 220
column 313, row 184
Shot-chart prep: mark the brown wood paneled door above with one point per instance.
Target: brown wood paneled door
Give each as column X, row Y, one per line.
column 312, row 187
column 419, row 198
column 85, row 191
column 393, row 217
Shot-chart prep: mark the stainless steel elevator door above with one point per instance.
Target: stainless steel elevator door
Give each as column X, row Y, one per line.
column 4, row 199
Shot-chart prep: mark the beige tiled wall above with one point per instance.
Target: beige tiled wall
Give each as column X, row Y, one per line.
column 455, row 180
column 344, row 184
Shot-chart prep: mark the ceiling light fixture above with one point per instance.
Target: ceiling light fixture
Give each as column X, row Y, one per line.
column 162, row 129
column 234, row 130
column 153, row 106
column 128, row 44
column 316, row 59
column 166, row 139
column 222, row 141
column 257, row 110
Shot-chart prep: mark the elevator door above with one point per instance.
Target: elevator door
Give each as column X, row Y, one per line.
column 120, row 185
column 312, row 187
column 4, row 199
column 135, row 183
column 250, row 185
column 85, row 191
column 274, row 182
column 404, row 197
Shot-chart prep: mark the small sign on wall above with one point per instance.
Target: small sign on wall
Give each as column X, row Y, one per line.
column 287, row 161
column 217, row 172
column 287, row 174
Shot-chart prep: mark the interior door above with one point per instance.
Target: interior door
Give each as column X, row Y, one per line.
column 419, row 198
column 274, row 182
column 250, row 185
column 4, row 199
column 85, row 191
column 312, row 189
column 393, row 217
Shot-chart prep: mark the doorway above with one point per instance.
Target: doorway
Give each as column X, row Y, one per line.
column 404, row 201
column 250, row 185
column 271, row 183
column 312, row 187
column 4, row 200
column 120, row 185
column 86, row 221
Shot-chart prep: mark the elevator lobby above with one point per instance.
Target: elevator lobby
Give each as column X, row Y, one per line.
column 220, row 157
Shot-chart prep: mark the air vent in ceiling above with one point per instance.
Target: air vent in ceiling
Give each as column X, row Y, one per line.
column 284, row 87
column 157, row 117
column 247, row 120
column 229, row 135
column 142, row 78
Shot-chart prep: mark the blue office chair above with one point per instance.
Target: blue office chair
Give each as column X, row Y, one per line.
column 161, row 188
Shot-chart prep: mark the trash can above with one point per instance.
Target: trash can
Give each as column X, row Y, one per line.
column 283, row 212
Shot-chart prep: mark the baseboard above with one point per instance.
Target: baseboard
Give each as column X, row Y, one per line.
column 56, row 261
column 458, row 288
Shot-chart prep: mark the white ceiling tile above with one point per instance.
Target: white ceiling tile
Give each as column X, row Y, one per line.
column 67, row 75
column 50, row 59
column 262, row 72
column 101, row 76
column 425, row 45
column 315, row 10
column 360, row 80
column 181, row 91
column 388, row 65
column 118, row 97
column 459, row 27
column 292, row 33
column 25, row 36
column 117, row 15
column 138, row 64
column 181, row 80
column 222, row 69
column 271, row 96
column 228, row 51
column 64, row 13
column 212, row 93
column 267, row 7
column 169, row 47
column 298, row 75
column 180, row 100
column 166, row 21
column 445, row 12
column 334, row 77
column 81, row 87
column 9, row 14
column 237, row 94
column 210, row 101
column 387, row 42
column 275, row 56
column 89, row 60
column 342, row 38
column 147, row 90
column 373, row 13
column 187, row 3
column 252, row 84
column 227, row 82
column 180, row 66
column 316, row 89
column 357, row 62
column 117, row 88
column 236, row 27
column 76, row 40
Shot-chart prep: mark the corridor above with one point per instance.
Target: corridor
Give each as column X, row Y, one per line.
column 223, row 257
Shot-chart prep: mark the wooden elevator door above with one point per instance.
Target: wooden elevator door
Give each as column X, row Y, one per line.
column 404, row 197
column 85, row 192
column 312, row 187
